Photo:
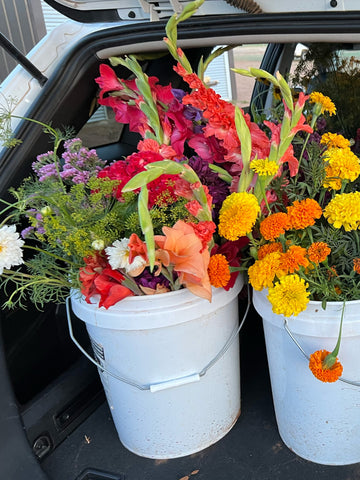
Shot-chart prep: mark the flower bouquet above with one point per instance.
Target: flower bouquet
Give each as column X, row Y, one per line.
column 304, row 242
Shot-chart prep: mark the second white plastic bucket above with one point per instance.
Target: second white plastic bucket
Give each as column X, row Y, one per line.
column 318, row 421
column 177, row 396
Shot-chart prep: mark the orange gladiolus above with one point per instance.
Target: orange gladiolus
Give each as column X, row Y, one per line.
column 184, row 248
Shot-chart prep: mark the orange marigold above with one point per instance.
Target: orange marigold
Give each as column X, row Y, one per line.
column 274, row 225
column 320, row 371
column 318, row 252
column 356, row 265
column 269, row 248
column 262, row 273
column 219, row 271
column 293, row 259
column 303, row 214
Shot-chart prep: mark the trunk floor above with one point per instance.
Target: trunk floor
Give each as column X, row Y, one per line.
column 252, row 450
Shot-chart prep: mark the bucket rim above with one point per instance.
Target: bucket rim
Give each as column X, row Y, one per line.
column 170, row 311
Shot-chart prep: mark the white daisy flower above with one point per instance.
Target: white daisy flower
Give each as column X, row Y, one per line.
column 118, row 255
column 10, row 247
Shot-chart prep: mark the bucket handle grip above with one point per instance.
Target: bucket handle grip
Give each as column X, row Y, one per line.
column 167, row 383
column 288, row 331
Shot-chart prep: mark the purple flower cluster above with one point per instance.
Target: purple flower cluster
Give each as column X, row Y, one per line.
column 45, row 166
column 78, row 163
column 218, row 189
column 36, row 219
column 190, row 112
column 146, row 279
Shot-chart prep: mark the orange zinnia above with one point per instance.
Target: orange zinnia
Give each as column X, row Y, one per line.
column 219, row 271
column 303, row 214
column 318, row 252
column 273, row 226
column 321, row 372
column 269, row 248
column 293, row 259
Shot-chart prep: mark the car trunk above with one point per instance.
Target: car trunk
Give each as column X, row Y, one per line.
column 57, row 420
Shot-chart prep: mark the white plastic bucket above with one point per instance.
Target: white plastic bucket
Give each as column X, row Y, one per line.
column 319, row 421
column 161, row 344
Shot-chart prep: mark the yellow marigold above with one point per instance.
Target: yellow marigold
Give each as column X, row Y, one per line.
column 332, row 181
column 238, row 215
column 269, row 248
column 289, row 296
column 327, row 105
column 344, row 211
column 262, row 272
column 264, row 167
column 356, row 262
column 274, row 225
column 219, row 271
column 343, row 164
column 318, row 252
column 321, row 371
column 334, row 140
column 303, row 214
column 293, row 259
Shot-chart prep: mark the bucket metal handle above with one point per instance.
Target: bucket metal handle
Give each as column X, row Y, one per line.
column 287, row 329
column 155, row 387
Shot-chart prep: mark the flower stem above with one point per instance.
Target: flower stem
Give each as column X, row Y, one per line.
column 330, row 359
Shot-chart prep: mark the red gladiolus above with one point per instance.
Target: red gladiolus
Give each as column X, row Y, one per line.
column 98, row 278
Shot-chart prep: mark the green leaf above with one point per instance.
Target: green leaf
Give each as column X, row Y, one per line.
column 243, row 71
column 146, row 224
column 259, row 73
column 216, row 53
column 244, row 135
column 201, row 69
column 223, row 174
column 189, row 10
column 168, row 167
column 285, row 91
column 142, row 179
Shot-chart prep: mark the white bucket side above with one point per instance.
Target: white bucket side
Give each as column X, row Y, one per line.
column 318, row 421
column 184, row 419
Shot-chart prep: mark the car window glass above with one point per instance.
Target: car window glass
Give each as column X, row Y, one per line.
column 101, row 128
column 334, row 71
column 245, row 56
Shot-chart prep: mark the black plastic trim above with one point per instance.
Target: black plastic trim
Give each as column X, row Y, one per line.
column 17, row 461
column 21, row 59
column 94, row 474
